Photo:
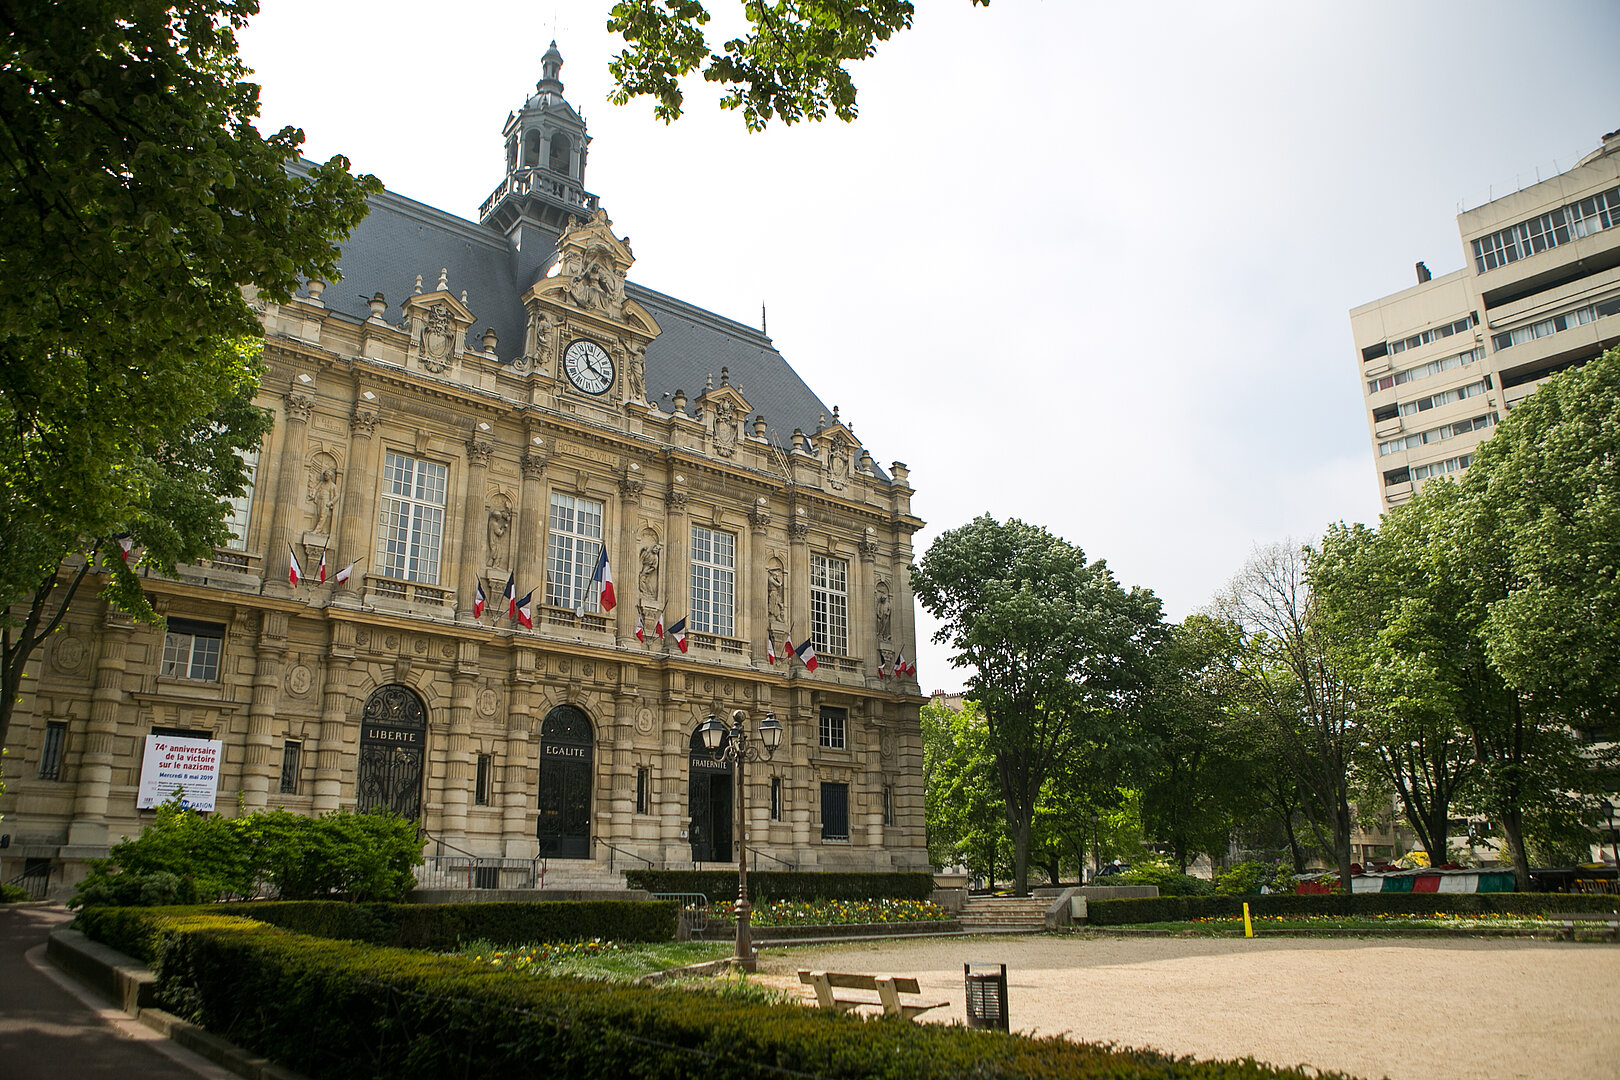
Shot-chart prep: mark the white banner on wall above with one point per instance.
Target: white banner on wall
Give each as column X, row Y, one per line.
column 187, row 765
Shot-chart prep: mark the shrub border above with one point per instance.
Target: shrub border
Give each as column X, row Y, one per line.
column 1136, row 910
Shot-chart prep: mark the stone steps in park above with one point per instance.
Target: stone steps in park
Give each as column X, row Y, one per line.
column 1026, row 914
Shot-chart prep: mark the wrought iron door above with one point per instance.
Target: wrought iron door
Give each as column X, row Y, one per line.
column 708, row 805
column 393, row 740
column 564, row 826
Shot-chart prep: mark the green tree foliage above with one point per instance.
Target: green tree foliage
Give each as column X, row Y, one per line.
column 1198, row 776
column 187, row 858
column 136, row 201
column 1059, row 652
column 1546, row 489
column 964, row 812
column 1294, row 690
column 789, row 64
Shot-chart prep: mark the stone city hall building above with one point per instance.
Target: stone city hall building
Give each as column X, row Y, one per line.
column 504, row 407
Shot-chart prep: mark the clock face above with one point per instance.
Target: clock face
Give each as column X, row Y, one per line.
column 588, row 366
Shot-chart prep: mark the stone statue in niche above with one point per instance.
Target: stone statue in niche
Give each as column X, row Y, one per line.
column 647, row 579
column 537, row 344
column 438, row 338
column 837, row 463
column 885, row 607
column 725, row 429
column 775, row 600
column 323, row 492
column 500, row 525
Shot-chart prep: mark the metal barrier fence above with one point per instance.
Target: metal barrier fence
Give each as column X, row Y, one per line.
column 694, row 910
column 475, row 872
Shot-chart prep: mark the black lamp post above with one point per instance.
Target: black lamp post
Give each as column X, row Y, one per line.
column 739, row 749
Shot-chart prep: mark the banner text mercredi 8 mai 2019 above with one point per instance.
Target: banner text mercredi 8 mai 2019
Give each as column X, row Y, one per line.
column 190, row 766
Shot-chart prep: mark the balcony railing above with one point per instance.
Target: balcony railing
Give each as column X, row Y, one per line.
column 566, row 618
column 715, row 643
column 410, row 592
column 535, row 180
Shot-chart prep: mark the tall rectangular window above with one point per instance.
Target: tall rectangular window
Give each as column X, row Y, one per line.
column 835, row 811
column 714, row 582
column 888, row 805
column 643, row 790
column 483, row 780
column 242, row 505
column 572, row 548
column 776, row 798
column 832, row 728
column 191, row 650
column 50, row 757
column 411, row 526
column 292, row 756
column 829, row 605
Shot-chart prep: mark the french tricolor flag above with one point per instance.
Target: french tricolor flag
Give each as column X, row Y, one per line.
column 478, row 600
column 343, row 574
column 510, row 596
column 900, row 663
column 658, row 625
column 678, row 628
column 604, row 577
column 770, row 651
column 807, row 653
column 294, row 571
column 525, row 610
column 641, row 634
column 320, row 571
column 883, row 671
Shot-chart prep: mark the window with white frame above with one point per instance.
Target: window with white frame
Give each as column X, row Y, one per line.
column 572, row 548
column 191, row 650
column 714, row 582
column 829, row 605
column 833, row 724
column 411, row 526
column 242, row 505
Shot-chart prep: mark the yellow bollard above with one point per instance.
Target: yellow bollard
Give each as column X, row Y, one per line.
column 1248, row 927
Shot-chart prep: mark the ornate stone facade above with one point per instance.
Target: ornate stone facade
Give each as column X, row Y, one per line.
column 437, row 463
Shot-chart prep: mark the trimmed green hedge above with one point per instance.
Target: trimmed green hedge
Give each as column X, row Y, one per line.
column 784, row 885
column 409, row 926
column 338, row 1009
column 1186, row 908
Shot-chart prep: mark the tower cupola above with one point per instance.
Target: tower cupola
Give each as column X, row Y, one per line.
column 544, row 187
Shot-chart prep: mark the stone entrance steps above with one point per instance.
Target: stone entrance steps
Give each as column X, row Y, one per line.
column 1004, row 915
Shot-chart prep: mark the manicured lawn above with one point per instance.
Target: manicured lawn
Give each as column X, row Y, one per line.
column 833, row 912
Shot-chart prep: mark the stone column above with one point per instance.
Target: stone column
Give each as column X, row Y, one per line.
column 458, row 772
column 260, row 764
column 626, row 559
column 107, row 699
column 753, row 579
column 904, row 609
column 359, row 491
column 863, row 637
column 529, row 566
column 672, row 782
column 517, row 835
column 297, row 405
column 474, row 526
column 676, row 566
column 798, row 583
column 621, row 828
column 336, row 705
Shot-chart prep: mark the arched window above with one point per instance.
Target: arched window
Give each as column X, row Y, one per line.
column 531, row 148
column 559, row 154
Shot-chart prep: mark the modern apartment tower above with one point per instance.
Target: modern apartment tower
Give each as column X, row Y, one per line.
column 1440, row 363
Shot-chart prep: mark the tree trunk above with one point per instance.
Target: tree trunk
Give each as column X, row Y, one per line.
column 1021, row 858
column 1294, row 850
column 1513, row 832
column 1341, row 841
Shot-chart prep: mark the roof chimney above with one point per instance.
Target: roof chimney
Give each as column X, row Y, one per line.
column 1423, row 273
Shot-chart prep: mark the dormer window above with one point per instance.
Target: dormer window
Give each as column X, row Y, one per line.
column 559, row 154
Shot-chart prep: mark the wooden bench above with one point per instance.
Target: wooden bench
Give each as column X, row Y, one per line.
column 888, row 987
column 1569, row 920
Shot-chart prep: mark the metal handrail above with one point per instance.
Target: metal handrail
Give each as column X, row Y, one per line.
column 35, row 884
column 760, row 854
column 442, row 844
column 614, row 847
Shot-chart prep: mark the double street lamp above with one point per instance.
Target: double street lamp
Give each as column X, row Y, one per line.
column 736, row 746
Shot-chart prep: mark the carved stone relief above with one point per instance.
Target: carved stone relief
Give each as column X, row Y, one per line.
column 498, row 532
column 884, row 608
column 647, row 580
column 438, row 339
column 725, row 429
column 776, row 592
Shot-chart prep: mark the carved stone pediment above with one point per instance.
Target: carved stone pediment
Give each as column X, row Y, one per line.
column 726, row 412
column 836, row 445
column 437, row 323
column 589, row 275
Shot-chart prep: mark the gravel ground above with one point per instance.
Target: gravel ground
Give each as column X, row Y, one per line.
column 1408, row 1009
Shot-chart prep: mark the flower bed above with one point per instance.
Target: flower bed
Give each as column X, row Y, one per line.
column 833, row 912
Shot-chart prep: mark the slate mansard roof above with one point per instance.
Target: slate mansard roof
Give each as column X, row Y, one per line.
column 401, row 239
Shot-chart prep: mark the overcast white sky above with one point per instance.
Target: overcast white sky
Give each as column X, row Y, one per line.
column 1084, row 264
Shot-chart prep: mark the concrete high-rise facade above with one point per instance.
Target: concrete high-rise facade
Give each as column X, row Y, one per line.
column 1442, row 362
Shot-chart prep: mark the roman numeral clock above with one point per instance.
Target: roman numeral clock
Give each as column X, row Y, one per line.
column 588, row 366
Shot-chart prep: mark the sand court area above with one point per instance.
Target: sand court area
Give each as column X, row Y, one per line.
column 1405, row 1008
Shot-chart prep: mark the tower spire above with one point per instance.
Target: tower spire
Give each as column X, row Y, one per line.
column 550, row 72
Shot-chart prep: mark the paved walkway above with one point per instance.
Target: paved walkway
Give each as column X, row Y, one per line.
column 1409, row 1009
column 51, row 1027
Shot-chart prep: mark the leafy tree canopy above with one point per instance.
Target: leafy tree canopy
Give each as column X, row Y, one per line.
column 137, row 200
column 1059, row 651
column 789, row 64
